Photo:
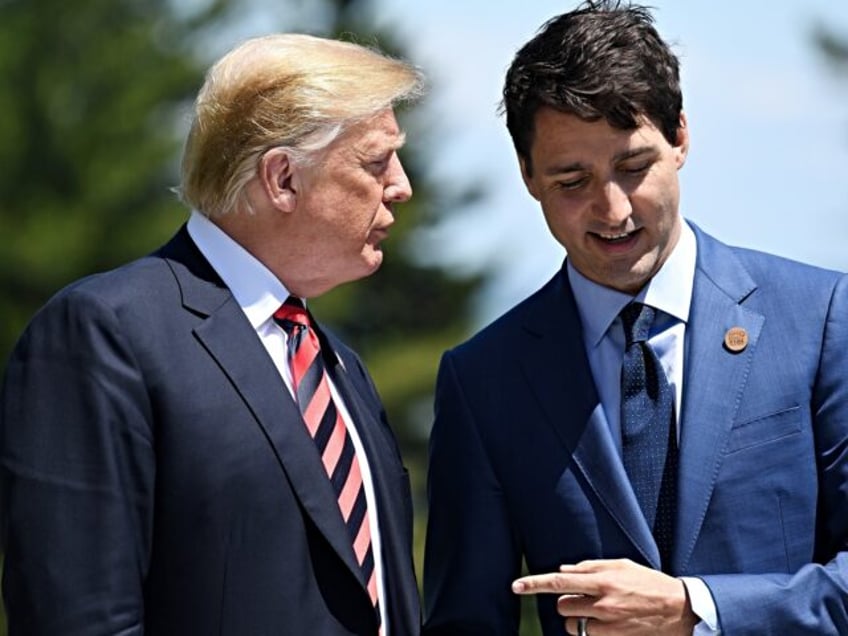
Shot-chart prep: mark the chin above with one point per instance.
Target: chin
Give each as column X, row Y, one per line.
column 628, row 282
column 373, row 259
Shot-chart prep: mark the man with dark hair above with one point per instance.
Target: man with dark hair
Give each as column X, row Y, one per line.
column 660, row 432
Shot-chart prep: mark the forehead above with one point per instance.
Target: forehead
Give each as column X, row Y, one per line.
column 559, row 135
column 377, row 133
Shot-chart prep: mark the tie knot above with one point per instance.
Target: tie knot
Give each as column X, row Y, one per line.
column 637, row 319
column 292, row 314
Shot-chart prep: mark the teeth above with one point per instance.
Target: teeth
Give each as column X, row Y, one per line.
column 613, row 237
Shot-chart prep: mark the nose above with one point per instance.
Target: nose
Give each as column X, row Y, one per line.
column 613, row 204
column 398, row 189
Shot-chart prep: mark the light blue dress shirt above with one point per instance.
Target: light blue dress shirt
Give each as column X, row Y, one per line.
column 669, row 291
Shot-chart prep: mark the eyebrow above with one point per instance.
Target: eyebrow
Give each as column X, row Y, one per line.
column 399, row 141
column 636, row 152
column 571, row 167
column 578, row 166
column 377, row 147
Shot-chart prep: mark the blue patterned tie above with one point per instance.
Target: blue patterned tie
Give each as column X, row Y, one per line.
column 649, row 438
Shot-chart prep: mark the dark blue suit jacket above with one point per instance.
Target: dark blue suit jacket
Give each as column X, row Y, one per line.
column 523, row 464
column 156, row 476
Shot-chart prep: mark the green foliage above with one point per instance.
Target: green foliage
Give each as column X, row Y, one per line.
column 89, row 96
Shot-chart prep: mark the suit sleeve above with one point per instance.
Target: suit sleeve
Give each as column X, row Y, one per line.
column 813, row 600
column 76, row 475
column 472, row 553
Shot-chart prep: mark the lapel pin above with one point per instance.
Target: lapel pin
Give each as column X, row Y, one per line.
column 736, row 339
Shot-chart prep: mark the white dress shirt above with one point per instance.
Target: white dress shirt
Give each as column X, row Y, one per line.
column 259, row 294
column 670, row 292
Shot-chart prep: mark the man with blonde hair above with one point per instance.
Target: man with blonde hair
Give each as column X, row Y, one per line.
column 183, row 449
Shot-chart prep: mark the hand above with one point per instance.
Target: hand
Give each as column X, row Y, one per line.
column 617, row 596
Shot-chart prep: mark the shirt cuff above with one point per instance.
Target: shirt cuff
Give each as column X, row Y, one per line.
column 703, row 605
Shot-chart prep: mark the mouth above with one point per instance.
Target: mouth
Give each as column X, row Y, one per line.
column 378, row 235
column 616, row 238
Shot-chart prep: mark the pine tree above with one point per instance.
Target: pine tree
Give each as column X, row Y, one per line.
column 90, row 97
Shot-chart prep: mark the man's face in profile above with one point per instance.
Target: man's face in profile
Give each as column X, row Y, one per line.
column 344, row 201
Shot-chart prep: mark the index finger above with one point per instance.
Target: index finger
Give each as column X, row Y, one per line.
column 549, row 583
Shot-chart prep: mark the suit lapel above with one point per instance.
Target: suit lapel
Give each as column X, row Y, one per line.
column 229, row 338
column 393, row 501
column 378, row 443
column 714, row 381
column 374, row 442
column 555, row 366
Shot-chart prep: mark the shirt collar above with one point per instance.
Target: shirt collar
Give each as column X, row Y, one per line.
column 670, row 290
column 257, row 291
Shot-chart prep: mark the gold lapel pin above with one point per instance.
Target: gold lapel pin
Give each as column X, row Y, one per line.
column 736, row 339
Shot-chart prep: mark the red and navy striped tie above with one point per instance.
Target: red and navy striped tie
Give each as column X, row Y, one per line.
column 328, row 430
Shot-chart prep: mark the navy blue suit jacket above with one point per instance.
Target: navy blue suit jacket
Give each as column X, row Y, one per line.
column 523, row 464
column 156, row 476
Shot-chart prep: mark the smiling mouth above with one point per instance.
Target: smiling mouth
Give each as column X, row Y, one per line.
column 615, row 238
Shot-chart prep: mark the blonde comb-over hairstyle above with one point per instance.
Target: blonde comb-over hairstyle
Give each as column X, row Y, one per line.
column 293, row 91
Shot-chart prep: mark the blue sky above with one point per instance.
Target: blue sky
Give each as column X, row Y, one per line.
column 768, row 119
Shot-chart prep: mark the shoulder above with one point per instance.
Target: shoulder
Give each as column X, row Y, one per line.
column 772, row 267
column 771, row 273
column 126, row 290
column 522, row 318
column 110, row 302
column 145, row 284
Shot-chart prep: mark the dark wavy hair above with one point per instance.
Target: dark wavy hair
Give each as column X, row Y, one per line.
column 604, row 60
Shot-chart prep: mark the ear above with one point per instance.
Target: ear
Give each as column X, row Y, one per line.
column 276, row 172
column 681, row 147
column 526, row 177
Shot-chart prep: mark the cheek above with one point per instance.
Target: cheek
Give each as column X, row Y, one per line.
column 656, row 201
column 370, row 208
column 565, row 225
column 344, row 212
column 567, row 215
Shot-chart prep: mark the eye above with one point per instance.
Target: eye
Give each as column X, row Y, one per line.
column 378, row 164
column 572, row 184
column 639, row 167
